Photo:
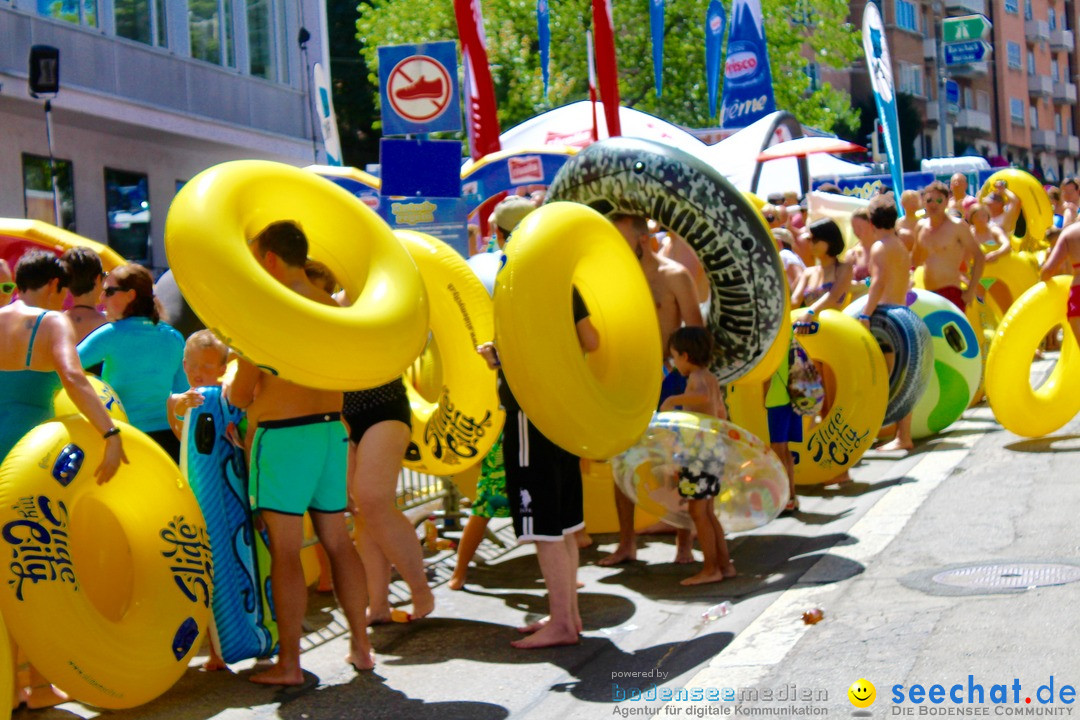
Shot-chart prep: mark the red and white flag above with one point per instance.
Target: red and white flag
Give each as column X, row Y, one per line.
column 482, row 119
column 606, row 66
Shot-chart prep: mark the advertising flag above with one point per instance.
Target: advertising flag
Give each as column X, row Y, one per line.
column 656, row 23
column 327, row 119
column 881, row 79
column 715, row 20
column 482, row 120
column 748, row 91
column 543, row 34
column 607, row 69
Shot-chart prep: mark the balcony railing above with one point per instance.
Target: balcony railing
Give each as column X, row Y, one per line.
column 1068, row 145
column 1037, row 31
column 1065, row 93
column 929, row 49
column 1062, row 40
column 1040, row 86
column 970, row 70
column 973, row 120
column 1043, row 140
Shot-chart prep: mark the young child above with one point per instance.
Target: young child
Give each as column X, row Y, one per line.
column 205, row 358
column 691, row 349
column 490, row 502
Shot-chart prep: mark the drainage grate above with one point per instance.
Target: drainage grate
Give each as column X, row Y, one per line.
column 1010, row 576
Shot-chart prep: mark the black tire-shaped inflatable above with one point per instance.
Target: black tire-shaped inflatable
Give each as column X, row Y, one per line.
column 903, row 331
column 687, row 196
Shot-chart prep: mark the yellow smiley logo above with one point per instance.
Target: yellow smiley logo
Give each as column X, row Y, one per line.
column 862, row 693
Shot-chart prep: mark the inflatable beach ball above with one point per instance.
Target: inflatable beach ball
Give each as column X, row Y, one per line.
column 957, row 364
column 682, row 453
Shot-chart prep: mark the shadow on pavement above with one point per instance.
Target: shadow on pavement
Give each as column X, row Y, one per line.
column 1046, row 444
column 850, row 489
column 593, row 662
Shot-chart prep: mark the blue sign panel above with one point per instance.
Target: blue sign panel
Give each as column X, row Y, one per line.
column 420, row 167
column 418, row 88
column 444, row 218
column 962, row 53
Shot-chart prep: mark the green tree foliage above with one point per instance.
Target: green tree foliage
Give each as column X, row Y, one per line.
column 796, row 30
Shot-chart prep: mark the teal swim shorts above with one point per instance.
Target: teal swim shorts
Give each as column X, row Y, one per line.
column 299, row 464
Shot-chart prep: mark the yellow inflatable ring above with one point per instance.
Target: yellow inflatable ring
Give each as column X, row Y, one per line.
column 1036, row 213
column 1017, row 406
column 50, row 237
column 7, row 673
column 594, row 406
column 107, row 587
column 366, row 344
column 459, row 428
column 62, row 404
column 1016, row 272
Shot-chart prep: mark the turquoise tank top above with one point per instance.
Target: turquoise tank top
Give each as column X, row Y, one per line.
column 26, row 397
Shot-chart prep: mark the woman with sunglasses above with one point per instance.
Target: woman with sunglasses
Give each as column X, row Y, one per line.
column 7, row 285
column 142, row 357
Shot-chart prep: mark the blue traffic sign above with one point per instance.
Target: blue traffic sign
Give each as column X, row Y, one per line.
column 970, row 51
column 418, row 88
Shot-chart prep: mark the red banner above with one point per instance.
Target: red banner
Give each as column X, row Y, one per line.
column 607, row 69
column 481, row 116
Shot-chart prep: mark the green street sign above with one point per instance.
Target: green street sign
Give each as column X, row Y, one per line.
column 965, row 27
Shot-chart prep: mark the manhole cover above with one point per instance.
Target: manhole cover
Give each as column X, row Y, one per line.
column 1013, row 576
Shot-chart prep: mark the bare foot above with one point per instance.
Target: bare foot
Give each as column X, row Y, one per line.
column 703, row 577
column 44, row 696
column 379, row 617
column 583, row 539
column 214, row 664
column 895, row 445
column 550, row 635
column 729, row 571
column 423, row 603
column 684, row 556
column 278, row 675
column 361, row 656
column 620, row 555
column 457, row 582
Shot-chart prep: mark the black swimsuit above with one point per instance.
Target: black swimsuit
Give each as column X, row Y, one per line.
column 363, row 409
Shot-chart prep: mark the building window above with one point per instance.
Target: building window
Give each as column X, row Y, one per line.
column 266, row 25
column 1051, row 16
column 967, row 98
column 813, row 73
column 1055, row 70
column 907, row 16
column 38, row 190
column 1016, row 111
column 1027, row 10
column 982, row 101
column 1033, row 114
column 81, row 12
column 141, row 20
column 1031, row 62
column 1057, row 123
column 1013, row 52
column 1012, row 6
column 911, row 80
column 127, row 207
column 210, row 25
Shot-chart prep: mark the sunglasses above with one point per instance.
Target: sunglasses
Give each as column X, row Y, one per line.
column 110, row 291
column 7, row 288
column 770, row 218
column 937, row 200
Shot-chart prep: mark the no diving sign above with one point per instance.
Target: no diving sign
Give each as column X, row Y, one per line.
column 418, row 88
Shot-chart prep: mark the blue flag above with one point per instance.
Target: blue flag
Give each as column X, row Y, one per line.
column 715, row 20
column 543, row 32
column 748, row 91
column 656, row 23
column 881, row 79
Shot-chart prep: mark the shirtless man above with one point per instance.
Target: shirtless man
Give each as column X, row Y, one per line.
column 84, row 269
column 945, row 245
column 889, row 280
column 907, row 227
column 676, row 305
column 299, row 464
column 959, row 200
column 1066, row 252
column 673, row 247
column 1070, row 200
column 859, row 255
